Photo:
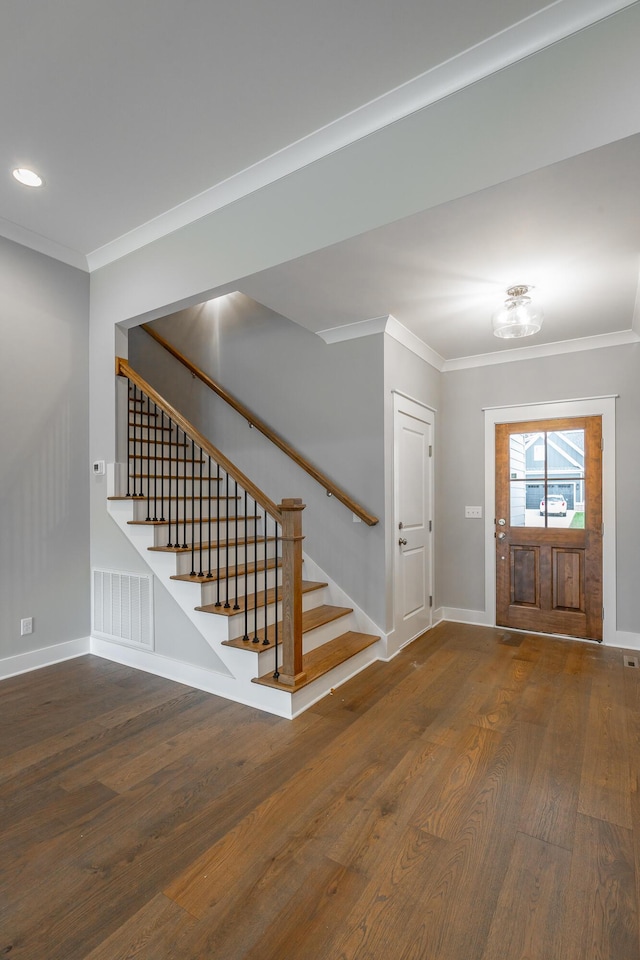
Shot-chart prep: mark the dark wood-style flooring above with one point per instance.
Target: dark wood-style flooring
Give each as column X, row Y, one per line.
column 475, row 799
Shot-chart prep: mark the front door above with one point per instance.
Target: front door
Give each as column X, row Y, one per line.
column 549, row 526
column 412, row 519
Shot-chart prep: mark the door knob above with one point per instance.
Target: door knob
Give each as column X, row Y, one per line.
column 402, row 542
column 502, row 536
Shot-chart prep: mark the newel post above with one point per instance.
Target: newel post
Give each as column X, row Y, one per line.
column 291, row 671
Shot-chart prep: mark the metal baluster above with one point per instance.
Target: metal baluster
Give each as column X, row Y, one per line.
column 129, row 435
column 193, row 514
column 218, row 484
column 255, row 563
column 200, row 573
column 245, row 542
column 162, row 466
column 266, row 583
column 148, row 462
column 169, row 543
column 210, row 572
column 155, row 462
column 227, row 605
column 184, row 492
column 236, row 605
column 137, row 440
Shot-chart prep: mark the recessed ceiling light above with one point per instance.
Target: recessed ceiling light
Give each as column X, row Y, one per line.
column 28, row 177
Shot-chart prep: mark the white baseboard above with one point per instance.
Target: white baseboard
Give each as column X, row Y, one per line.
column 218, row 684
column 460, row 615
column 45, row 657
column 628, row 641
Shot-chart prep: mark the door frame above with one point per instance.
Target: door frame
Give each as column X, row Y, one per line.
column 426, row 414
column 550, row 410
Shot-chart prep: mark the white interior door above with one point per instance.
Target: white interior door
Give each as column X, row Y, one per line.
column 412, row 537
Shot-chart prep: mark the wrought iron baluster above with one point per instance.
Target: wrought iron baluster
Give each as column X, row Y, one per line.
column 218, row 485
column 184, row 491
column 155, row 462
column 266, row 582
column 236, row 605
column 129, row 418
column 200, row 573
column 193, row 513
column 256, row 639
column 170, row 444
column 210, row 572
column 245, row 553
column 162, row 431
column 227, row 605
column 146, row 460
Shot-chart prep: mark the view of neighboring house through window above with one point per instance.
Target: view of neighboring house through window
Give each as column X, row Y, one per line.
column 546, row 472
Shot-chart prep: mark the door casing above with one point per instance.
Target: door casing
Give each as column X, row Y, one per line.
column 592, row 406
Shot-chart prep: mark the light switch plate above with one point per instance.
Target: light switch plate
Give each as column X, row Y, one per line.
column 473, row 513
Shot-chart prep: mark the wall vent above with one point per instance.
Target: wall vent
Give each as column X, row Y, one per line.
column 122, row 608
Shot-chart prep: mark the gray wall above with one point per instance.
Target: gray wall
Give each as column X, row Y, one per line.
column 592, row 373
column 44, row 436
column 326, row 400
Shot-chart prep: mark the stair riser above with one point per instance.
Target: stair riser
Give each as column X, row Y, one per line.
column 177, row 469
column 180, row 486
column 225, row 557
column 232, row 589
column 273, row 613
column 159, row 509
column 193, row 533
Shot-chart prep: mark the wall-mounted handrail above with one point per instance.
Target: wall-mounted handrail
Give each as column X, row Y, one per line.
column 332, row 488
column 124, row 370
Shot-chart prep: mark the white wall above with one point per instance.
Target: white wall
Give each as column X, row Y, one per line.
column 615, row 370
column 44, row 437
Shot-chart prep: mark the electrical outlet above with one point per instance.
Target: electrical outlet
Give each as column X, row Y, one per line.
column 26, row 626
column 473, row 513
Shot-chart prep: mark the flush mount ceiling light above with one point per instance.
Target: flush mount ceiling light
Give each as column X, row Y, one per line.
column 518, row 317
column 28, row 177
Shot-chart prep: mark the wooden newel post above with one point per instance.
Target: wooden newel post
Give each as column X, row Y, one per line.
column 291, row 671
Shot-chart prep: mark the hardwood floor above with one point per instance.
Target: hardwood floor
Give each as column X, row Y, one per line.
column 475, row 799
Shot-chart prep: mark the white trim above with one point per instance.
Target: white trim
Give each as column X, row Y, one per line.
column 389, row 325
column 44, row 657
column 548, row 403
column 418, row 403
column 545, row 27
column 597, row 342
column 628, row 641
column 409, row 340
column 353, row 331
column 605, row 406
column 35, row 241
column 460, row 615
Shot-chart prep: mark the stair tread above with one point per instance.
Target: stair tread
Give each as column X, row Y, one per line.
column 316, row 617
column 307, row 587
column 223, row 544
column 227, row 573
column 323, row 659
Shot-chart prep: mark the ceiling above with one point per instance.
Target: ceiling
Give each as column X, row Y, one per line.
column 142, row 116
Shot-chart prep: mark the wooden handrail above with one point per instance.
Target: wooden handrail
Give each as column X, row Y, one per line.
column 332, row 488
column 124, row 370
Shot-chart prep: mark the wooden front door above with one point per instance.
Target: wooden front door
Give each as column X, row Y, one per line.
column 549, row 526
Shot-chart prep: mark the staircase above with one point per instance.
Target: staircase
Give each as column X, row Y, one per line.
column 233, row 561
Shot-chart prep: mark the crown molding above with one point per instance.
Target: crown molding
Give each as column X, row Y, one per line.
column 556, row 22
column 34, row 241
column 536, row 351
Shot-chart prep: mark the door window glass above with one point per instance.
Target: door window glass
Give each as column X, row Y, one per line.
column 546, row 479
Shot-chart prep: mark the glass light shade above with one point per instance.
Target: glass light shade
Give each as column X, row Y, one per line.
column 517, row 318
